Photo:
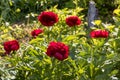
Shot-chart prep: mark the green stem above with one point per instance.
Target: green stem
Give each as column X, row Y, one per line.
column 92, row 65
column 48, row 35
column 74, row 30
column 49, row 30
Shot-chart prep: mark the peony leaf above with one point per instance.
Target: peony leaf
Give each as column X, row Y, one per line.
column 81, row 71
column 47, row 60
column 18, row 10
column 117, row 12
column 10, row 2
column 114, row 72
column 97, row 22
column 36, row 40
column 5, row 30
column 109, row 56
column 69, row 38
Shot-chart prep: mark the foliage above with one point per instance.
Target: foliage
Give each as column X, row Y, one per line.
column 17, row 10
column 89, row 58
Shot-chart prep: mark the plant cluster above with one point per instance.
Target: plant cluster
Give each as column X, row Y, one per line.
column 60, row 47
column 17, row 10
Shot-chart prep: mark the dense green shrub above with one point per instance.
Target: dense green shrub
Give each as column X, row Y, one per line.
column 89, row 58
column 16, row 10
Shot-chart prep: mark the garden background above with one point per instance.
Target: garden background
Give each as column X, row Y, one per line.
column 33, row 50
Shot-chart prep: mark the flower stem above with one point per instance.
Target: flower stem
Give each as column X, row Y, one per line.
column 74, row 30
column 49, row 29
column 48, row 34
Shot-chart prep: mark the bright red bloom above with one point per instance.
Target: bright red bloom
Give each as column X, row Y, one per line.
column 99, row 34
column 9, row 46
column 36, row 32
column 58, row 50
column 48, row 18
column 73, row 21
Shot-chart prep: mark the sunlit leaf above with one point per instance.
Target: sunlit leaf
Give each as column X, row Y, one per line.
column 98, row 22
column 117, row 12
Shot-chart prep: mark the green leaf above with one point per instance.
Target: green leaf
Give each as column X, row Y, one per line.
column 114, row 72
column 109, row 56
column 81, row 71
column 91, row 69
column 10, row 2
column 69, row 38
column 36, row 40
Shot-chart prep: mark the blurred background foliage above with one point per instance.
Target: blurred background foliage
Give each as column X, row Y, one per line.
column 17, row 10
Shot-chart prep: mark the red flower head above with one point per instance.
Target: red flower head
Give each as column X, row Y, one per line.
column 48, row 18
column 58, row 50
column 9, row 46
column 36, row 32
column 99, row 34
column 73, row 21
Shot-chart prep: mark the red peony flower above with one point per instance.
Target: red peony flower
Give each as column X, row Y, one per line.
column 36, row 32
column 9, row 46
column 48, row 18
column 99, row 34
column 58, row 50
column 73, row 21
